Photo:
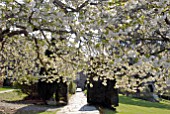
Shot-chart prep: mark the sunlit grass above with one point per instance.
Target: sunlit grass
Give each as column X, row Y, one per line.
column 129, row 105
column 48, row 112
column 12, row 96
column 5, row 88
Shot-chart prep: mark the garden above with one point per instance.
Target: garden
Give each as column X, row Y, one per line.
column 115, row 51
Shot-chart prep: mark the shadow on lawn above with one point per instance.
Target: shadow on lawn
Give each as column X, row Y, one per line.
column 143, row 103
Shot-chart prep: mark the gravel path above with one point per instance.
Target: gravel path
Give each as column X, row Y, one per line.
column 78, row 105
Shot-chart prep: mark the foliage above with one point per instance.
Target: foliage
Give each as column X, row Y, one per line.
column 132, row 35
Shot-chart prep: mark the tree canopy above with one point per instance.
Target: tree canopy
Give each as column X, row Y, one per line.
column 131, row 36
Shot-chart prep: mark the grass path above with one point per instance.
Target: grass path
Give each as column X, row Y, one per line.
column 129, row 105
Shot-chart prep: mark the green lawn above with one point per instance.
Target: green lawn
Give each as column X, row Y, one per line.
column 12, row 96
column 37, row 112
column 4, row 88
column 48, row 112
column 129, row 105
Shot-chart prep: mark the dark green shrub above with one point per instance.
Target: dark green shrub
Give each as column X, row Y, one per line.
column 72, row 87
column 28, row 85
column 8, row 81
column 50, row 88
column 62, row 91
column 46, row 88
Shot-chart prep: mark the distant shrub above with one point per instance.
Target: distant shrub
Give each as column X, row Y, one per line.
column 1, row 82
column 72, row 87
column 8, row 81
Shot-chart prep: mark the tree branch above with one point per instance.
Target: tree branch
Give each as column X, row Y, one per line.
column 82, row 5
column 65, row 7
column 162, row 36
column 45, row 37
column 10, row 34
column 167, row 21
column 38, row 53
column 160, row 51
column 13, row 33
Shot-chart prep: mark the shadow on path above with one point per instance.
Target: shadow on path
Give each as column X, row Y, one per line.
column 26, row 108
column 34, row 109
column 88, row 108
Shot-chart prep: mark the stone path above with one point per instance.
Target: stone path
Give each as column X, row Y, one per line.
column 78, row 105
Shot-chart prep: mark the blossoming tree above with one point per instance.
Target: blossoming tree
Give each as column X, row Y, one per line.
column 131, row 36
